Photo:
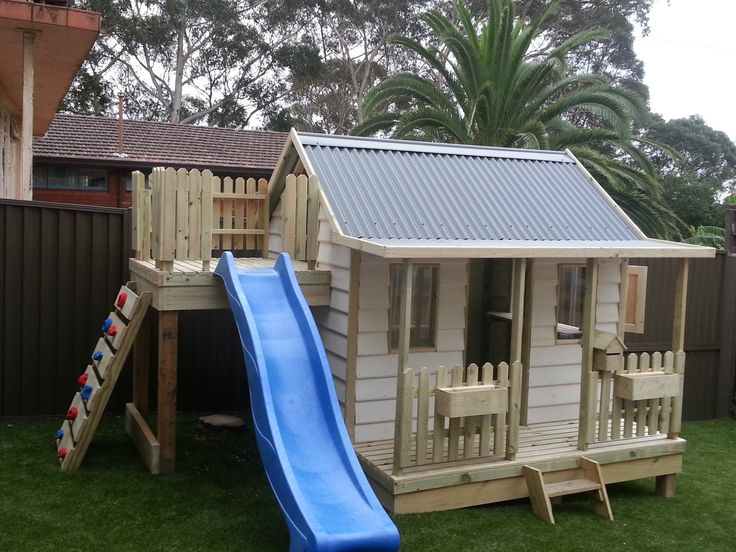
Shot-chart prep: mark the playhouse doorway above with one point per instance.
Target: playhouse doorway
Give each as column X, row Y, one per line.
column 489, row 311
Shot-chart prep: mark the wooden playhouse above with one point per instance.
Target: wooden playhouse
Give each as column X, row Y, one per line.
column 479, row 303
column 473, row 303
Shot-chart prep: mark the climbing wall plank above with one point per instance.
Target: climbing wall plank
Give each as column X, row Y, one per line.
column 107, row 364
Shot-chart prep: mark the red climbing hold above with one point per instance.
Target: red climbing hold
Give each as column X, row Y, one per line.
column 71, row 415
column 62, row 453
column 82, row 380
column 112, row 331
column 122, row 298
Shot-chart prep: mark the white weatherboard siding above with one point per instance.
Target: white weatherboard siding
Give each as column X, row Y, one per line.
column 375, row 393
column 332, row 321
column 554, row 372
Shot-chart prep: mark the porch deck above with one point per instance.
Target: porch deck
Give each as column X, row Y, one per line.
column 551, row 447
column 188, row 287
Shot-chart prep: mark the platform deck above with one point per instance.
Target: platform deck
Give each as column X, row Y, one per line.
column 188, row 287
column 551, row 447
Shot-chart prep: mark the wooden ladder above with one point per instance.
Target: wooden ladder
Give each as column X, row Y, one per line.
column 588, row 480
column 96, row 384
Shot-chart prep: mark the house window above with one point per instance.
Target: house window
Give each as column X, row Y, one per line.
column 570, row 301
column 423, row 307
column 69, row 177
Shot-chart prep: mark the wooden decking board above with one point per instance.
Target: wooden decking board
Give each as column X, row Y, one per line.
column 547, row 444
column 188, row 287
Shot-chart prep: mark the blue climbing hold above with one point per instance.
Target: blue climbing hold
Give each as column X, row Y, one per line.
column 97, row 356
column 86, row 392
column 106, row 325
column 59, row 435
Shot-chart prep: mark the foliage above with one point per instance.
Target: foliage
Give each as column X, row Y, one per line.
column 489, row 87
column 614, row 55
column 711, row 236
column 705, row 171
column 219, row 500
column 349, row 41
column 221, row 61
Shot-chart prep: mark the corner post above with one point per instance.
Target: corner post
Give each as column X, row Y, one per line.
column 168, row 330
column 588, row 378
column 403, row 406
column 678, row 344
column 517, row 332
column 26, row 137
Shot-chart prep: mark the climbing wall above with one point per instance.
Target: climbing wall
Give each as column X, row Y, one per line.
column 118, row 333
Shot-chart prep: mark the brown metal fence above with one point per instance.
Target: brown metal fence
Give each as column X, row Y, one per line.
column 60, row 269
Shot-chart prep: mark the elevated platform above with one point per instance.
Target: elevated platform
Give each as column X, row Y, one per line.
column 188, row 287
column 551, row 447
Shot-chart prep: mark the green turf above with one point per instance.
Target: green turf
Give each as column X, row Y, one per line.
column 219, row 499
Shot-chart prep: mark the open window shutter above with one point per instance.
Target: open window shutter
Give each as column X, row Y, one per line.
column 636, row 295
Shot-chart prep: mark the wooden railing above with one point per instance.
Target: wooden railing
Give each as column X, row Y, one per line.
column 300, row 217
column 643, row 396
column 186, row 215
column 461, row 414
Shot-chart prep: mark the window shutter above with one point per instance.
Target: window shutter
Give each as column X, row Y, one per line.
column 636, row 296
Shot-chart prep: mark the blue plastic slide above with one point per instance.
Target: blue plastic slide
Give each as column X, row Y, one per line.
column 309, row 460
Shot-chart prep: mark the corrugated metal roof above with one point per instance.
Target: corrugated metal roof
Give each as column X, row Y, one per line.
column 394, row 190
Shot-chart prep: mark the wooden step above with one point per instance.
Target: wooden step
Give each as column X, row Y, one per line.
column 591, row 482
column 573, row 486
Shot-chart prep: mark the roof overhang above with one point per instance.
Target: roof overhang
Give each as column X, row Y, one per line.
column 64, row 38
column 509, row 249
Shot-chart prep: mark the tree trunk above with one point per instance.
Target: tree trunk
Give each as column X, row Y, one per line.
column 176, row 98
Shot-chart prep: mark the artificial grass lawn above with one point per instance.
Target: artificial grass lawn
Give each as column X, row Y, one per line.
column 219, row 499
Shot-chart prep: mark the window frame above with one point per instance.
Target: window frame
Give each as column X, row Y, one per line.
column 574, row 338
column 76, row 178
column 434, row 308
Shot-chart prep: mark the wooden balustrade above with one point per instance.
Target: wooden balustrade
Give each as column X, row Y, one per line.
column 186, row 215
column 455, row 414
column 300, row 216
column 643, row 396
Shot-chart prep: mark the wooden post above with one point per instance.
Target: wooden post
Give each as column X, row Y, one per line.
column 141, row 365
column 515, row 379
column 526, row 341
column 265, row 216
column 26, row 136
column 678, row 344
column 588, row 376
column 168, row 322
column 401, row 452
column 352, row 341
column 206, row 219
column 312, row 222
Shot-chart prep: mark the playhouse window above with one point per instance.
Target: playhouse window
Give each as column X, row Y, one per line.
column 570, row 301
column 423, row 307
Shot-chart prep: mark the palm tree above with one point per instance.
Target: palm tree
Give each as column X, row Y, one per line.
column 486, row 87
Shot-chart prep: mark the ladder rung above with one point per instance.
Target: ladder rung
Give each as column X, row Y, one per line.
column 572, row 486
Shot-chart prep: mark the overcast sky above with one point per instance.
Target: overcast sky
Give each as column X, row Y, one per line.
column 690, row 60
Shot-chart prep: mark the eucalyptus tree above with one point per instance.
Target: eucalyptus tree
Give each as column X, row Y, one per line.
column 484, row 83
column 220, row 61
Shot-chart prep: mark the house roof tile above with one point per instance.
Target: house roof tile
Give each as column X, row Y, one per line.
column 147, row 144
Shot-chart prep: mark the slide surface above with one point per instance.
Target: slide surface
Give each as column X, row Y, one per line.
column 309, row 460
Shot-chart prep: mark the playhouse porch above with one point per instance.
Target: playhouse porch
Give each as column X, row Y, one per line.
column 550, row 447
